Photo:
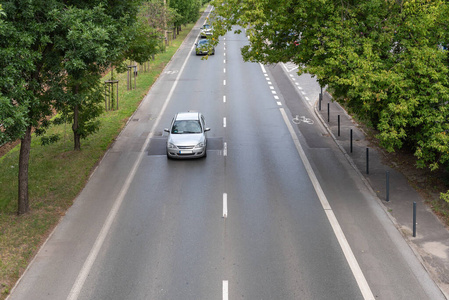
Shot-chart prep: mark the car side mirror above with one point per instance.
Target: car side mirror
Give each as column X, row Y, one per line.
column 206, row 129
column 166, row 130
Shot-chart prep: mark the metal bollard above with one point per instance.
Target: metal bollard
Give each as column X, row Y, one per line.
column 321, row 99
column 414, row 219
column 351, row 140
column 338, row 125
column 328, row 109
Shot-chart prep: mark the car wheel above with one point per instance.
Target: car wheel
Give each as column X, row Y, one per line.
column 168, row 156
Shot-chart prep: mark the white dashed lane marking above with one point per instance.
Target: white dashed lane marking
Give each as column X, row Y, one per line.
column 225, row 290
column 225, row 205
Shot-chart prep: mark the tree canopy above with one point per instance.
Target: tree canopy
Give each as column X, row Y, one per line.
column 385, row 60
column 52, row 53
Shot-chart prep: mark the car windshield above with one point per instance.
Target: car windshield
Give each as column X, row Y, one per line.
column 186, row 126
column 206, row 26
column 203, row 41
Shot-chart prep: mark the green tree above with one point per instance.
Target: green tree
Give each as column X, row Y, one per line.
column 156, row 16
column 25, row 42
column 52, row 54
column 380, row 58
column 186, row 11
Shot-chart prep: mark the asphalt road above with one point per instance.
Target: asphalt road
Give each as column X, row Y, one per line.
column 247, row 222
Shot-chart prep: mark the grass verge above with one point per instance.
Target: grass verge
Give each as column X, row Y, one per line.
column 57, row 174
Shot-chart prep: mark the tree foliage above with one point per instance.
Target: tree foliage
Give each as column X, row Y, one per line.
column 382, row 59
column 52, row 54
column 186, row 11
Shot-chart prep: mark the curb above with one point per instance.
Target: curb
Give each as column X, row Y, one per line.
column 409, row 242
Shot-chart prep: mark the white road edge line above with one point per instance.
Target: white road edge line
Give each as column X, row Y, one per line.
column 225, row 290
column 352, row 261
column 84, row 272
column 225, row 205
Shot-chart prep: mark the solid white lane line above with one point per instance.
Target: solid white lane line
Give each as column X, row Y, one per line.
column 88, row 263
column 224, row 99
column 225, row 205
column 224, row 122
column 225, row 149
column 225, row 290
column 349, row 255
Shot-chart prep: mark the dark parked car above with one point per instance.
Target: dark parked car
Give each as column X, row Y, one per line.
column 204, row 46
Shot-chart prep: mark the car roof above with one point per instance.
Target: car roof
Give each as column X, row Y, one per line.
column 190, row 115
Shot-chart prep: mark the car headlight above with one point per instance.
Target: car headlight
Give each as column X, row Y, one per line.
column 200, row 145
column 171, row 146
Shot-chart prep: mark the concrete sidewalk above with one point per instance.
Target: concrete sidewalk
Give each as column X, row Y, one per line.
column 431, row 244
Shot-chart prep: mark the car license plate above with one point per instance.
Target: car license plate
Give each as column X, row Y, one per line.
column 185, row 152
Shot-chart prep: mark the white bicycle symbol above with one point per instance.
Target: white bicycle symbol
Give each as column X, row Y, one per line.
column 302, row 119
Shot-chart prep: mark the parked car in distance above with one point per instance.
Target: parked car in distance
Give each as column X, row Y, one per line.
column 187, row 136
column 203, row 47
column 206, row 30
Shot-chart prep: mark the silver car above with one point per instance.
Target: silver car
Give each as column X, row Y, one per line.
column 206, row 30
column 187, row 136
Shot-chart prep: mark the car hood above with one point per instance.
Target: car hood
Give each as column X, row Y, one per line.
column 186, row 139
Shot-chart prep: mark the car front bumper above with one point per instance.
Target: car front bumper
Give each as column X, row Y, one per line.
column 187, row 153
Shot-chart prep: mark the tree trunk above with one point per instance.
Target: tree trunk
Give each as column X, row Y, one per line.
column 76, row 136
column 24, row 158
